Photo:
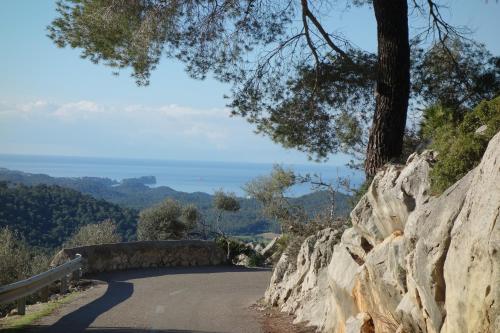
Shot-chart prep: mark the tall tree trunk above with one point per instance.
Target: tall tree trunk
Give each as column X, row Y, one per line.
column 393, row 84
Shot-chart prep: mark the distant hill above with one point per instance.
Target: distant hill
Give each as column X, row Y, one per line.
column 47, row 215
column 136, row 194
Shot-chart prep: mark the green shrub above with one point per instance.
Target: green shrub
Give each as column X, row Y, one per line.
column 232, row 247
column 435, row 118
column 14, row 257
column 282, row 242
column 256, row 259
column 460, row 148
column 168, row 220
column 93, row 234
column 18, row 261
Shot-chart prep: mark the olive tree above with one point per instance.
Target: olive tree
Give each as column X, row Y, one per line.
column 93, row 234
column 167, row 220
column 270, row 191
column 224, row 203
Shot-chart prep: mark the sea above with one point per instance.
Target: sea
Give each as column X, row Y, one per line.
column 185, row 176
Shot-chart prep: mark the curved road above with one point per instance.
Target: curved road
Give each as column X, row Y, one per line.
column 196, row 299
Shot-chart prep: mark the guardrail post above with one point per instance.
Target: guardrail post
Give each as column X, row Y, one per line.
column 64, row 285
column 21, row 306
column 44, row 294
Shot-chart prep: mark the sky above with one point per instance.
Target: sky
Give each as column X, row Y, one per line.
column 52, row 102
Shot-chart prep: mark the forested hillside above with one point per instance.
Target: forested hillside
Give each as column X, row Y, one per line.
column 47, row 210
column 134, row 193
column 47, row 215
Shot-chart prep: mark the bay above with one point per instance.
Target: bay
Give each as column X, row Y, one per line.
column 186, row 176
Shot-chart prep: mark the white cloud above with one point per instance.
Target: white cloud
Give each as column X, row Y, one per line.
column 174, row 111
column 23, row 109
column 136, row 131
column 33, row 106
column 85, row 109
column 77, row 109
column 172, row 125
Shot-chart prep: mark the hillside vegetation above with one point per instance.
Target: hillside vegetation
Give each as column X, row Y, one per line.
column 48, row 215
column 135, row 194
column 460, row 139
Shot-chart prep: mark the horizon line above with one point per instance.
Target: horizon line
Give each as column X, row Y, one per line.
column 152, row 159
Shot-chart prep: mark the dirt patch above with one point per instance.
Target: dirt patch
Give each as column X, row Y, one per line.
column 274, row 321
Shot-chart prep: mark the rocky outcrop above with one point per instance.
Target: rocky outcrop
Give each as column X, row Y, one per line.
column 299, row 289
column 144, row 254
column 411, row 262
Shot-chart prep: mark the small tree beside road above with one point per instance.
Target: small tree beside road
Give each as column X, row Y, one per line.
column 168, row 220
column 224, row 203
column 93, row 234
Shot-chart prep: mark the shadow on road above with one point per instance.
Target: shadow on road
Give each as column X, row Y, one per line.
column 119, row 290
column 80, row 320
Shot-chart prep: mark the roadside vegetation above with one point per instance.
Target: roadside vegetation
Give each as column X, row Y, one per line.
column 18, row 260
column 19, row 323
column 294, row 221
column 168, row 220
column 93, row 234
column 460, row 138
column 56, row 212
column 46, row 216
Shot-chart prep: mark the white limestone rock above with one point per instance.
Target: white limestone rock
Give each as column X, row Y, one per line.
column 410, row 263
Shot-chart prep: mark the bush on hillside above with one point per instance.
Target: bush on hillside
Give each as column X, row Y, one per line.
column 255, row 259
column 460, row 148
column 93, row 234
column 15, row 257
column 168, row 220
column 18, row 261
column 435, row 118
column 295, row 223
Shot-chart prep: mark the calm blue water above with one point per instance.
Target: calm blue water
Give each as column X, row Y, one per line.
column 187, row 176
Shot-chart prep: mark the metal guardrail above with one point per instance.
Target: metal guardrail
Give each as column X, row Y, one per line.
column 18, row 291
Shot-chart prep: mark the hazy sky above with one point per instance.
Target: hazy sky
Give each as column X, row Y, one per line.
column 54, row 103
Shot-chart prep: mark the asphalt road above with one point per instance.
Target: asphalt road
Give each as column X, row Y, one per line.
column 201, row 300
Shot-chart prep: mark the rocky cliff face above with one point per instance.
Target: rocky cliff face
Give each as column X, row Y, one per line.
column 411, row 262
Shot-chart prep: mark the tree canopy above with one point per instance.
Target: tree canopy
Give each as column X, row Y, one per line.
column 167, row 220
column 292, row 76
column 48, row 215
column 224, row 203
column 92, row 234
